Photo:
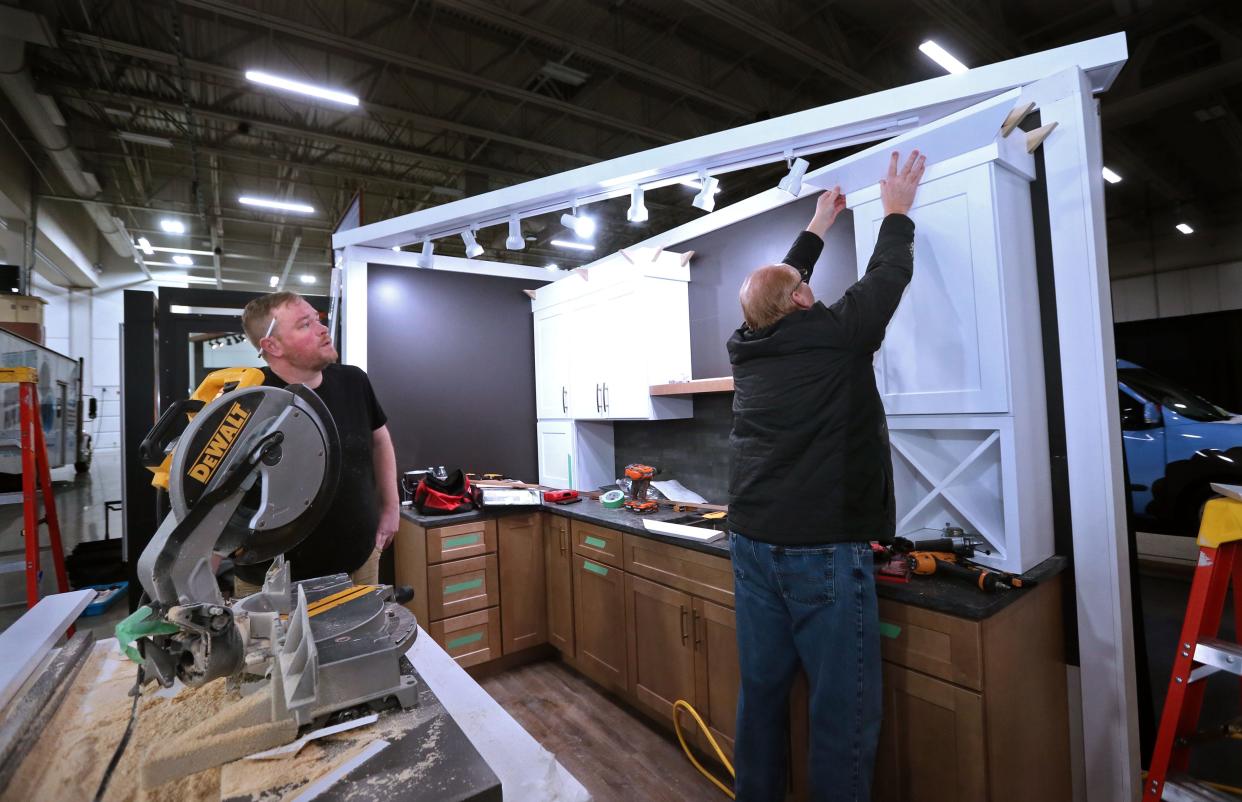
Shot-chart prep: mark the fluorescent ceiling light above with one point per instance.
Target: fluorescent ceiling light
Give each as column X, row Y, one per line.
column 321, row 92
column 943, row 57
column 473, row 248
column 552, row 267
column 637, row 213
column 184, row 261
column 172, row 226
column 144, row 139
column 178, row 309
column 267, row 203
column 307, row 278
column 425, row 256
column 515, row 241
column 1185, row 229
column 186, row 251
column 577, row 246
column 706, row 199
column 566, row 75
column 1110, row 176
column 792, row 182
column 145, row 245
column 580, row 224
column 273, row 281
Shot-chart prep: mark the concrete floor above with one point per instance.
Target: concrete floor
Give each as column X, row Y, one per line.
column 80, row 508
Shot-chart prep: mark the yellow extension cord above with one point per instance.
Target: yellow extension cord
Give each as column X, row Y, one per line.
column 682, row 704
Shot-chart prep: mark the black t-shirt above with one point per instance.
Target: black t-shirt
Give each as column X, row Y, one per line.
column 345, row 537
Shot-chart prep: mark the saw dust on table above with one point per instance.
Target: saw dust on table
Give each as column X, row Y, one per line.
column 70, row 758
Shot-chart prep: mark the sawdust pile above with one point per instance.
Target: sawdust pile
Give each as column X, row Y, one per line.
column 70, row 758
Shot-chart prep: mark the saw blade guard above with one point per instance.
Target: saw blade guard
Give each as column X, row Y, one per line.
column 294, row 483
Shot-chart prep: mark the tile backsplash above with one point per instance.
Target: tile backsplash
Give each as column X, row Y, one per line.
column 694, row 451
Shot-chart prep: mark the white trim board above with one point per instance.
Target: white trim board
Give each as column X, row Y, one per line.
column 452, row 264
column 28, row 640
column 860, row 119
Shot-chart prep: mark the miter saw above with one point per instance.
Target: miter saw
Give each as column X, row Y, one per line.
column 250, row 471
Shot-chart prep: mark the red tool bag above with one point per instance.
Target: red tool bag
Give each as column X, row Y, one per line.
column 435, row 496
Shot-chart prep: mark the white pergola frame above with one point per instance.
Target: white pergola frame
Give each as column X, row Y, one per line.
column 1062, row 82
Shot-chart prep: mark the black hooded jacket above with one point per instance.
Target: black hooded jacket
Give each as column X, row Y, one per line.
column 811, row 460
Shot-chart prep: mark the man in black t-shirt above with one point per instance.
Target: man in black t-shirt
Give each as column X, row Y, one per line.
column 363, row 516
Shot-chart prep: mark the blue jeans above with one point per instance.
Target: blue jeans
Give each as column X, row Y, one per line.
column 816, row 606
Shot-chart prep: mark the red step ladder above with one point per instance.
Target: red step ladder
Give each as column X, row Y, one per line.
column 1200, row 652
column 35, row 468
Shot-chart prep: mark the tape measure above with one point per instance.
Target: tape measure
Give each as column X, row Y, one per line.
column 612, row 500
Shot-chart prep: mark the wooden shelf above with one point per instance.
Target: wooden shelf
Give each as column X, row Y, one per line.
column 724, row 384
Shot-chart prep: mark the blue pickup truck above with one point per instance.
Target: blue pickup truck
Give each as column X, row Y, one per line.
column 1177, row 443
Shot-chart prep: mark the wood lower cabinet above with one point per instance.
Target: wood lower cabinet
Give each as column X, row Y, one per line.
column 523, row 611
column 932, row 741
column 558, row 579
column 661, row 645
column 717, row 672
column 599, row 622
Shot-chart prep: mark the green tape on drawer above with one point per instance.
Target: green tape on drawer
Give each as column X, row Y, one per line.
column 888, row 630
column 458, row 587
column 596, row 542
column 462, row 540
column 595, row 569
column 464, row 640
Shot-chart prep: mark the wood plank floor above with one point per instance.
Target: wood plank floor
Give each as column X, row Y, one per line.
column 612, row 751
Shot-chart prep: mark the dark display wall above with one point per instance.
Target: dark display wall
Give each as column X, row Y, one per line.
column 451, row 357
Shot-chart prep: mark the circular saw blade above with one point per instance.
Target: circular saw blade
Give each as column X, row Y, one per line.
column 294, row 483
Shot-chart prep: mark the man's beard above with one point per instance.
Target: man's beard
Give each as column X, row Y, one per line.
column 318, row 361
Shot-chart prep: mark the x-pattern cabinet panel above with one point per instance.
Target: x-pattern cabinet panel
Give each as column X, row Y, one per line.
column 961, row 369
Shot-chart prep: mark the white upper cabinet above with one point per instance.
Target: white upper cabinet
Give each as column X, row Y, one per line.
column 946, row 349
column 603, row 338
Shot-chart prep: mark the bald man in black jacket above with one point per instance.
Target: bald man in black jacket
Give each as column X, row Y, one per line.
column 811, row 485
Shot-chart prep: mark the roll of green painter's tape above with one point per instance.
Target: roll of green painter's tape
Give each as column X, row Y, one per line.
column 612, row 500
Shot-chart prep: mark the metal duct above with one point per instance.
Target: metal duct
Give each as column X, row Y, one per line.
column 34, row 110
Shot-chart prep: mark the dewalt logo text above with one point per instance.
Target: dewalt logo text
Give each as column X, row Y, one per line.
column 220, row 443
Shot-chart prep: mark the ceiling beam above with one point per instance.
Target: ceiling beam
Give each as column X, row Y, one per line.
column 614, row 60
column 363, row 50
column 786, row 44
column 287, row 129
column 1138, row 107
column 238, row 77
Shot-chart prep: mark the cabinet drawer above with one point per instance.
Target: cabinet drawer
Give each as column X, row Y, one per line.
column 460, row 541
column 598, row 543
column 705, row 575
column 937, row 644
column 462, row 586
column 471, row 638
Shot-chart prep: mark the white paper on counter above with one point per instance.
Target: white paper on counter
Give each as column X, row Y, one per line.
column 674, row 490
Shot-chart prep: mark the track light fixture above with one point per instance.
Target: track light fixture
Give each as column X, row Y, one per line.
column 792, row 182
column 637, row 213
column 580, row 224
column 515, row 241
column 473, row 248
column 425, row 256
column 706, row 199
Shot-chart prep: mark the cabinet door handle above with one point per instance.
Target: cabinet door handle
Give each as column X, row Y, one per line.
column 598, row 403
column 562, row 540
column 697, row 639
column 605, row 396
column 564, row 400
column 684, row 635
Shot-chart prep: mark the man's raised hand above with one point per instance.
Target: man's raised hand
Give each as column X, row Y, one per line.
column 897, row 188
column 828, row 205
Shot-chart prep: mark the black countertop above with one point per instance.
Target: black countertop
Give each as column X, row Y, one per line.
column 949, row 596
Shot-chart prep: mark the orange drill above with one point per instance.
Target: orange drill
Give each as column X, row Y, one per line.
column 640, row 480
